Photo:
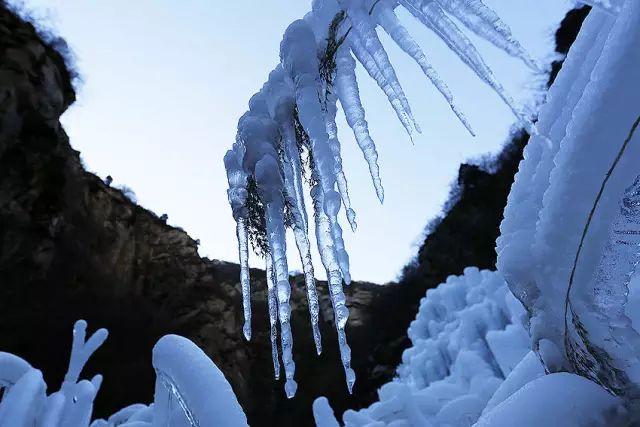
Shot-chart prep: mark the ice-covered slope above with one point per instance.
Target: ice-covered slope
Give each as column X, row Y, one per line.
column 471, row 362
column 569, row 244
column 467, row 338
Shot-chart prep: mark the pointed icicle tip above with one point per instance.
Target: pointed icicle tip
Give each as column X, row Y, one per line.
column 380, row 192
column 351, row 217
column 351, row 379
column 290, row 388
column 246, row 331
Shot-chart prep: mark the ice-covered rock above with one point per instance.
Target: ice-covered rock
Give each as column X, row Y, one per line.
column 467, row 337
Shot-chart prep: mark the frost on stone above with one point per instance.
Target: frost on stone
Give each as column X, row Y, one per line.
column 568, row 247
column 289, row 136
column 466, row 339
column 190, row 391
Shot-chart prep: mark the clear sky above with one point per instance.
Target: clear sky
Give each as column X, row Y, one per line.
column 166, row 81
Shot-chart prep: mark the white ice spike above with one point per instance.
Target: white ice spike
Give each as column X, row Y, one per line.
column 391, row 24
column 290, row 155
column 364, row 27
column 324, row 237
column 243, row 251
column 304, row 248
column 368, row 49
column 334, row 144
column 237, row 194
column 432, row 15
column 270, row 188
column 346, row 87
column 273, row 314
column 486, row 23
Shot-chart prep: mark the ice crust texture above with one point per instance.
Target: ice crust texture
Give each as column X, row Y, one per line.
column 295, row 111
column 190, row 390
column 471, row 363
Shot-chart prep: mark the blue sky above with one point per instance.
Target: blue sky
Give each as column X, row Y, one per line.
column 165, row 83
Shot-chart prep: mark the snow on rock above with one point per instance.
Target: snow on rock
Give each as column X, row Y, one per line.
column 290, row 132
column 190, row 390
column 467, row 337
column 568, row 247
column 526, row 371
column 470, row 364
column 557, row 399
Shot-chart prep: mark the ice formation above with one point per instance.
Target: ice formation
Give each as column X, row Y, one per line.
column 471, row 364
column 190, row 390
column 569, row 244
column 466, row 339
column 553, row 334
column 289, row 135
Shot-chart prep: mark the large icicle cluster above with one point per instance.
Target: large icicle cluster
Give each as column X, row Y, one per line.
column 470, row 364
column 190, row 390
column 289, row 135
column 570, row 238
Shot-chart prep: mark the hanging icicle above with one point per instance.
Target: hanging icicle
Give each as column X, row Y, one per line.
column 289, row 136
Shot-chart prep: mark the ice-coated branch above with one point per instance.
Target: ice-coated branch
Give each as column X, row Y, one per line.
column 81, row 350
column 289, row 135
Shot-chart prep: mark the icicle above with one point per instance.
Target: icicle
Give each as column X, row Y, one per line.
column 431, row 15
column 243, row 251
column 273, row 314
column 299, row 42
column 375, row 61
column 331, row 206
column 347, row 90
column 483, row 21
column 270, row 187
column 392, row 25
column 365, row 30
column 304, row 249
column 237, row 195
column 325, row 241
column 289, row 158
column 302, row 241
column 292, row 155
column 334, row 144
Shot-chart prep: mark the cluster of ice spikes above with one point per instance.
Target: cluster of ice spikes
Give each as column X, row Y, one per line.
column 290, row 133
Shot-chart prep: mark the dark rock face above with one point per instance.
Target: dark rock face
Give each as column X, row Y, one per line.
column 72, row 247
column 566, row 35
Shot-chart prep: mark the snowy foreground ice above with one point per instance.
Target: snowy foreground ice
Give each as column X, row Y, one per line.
column 471, row 364
column 190, row 390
